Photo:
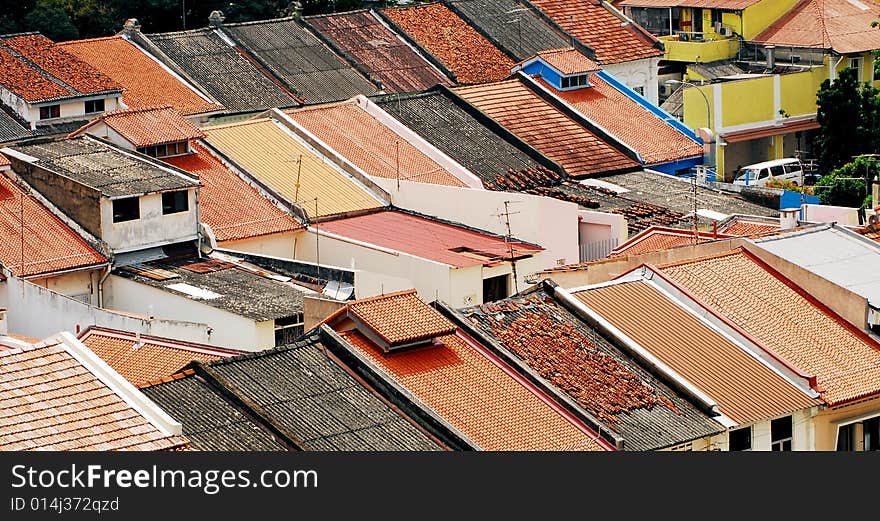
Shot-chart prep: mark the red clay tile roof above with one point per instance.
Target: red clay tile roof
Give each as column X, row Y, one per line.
column 49, row 244
column 458, row 46
column 50, row 401
column 379, row 50
column 370, row 145
column 154, row 359
column 786, row 320
column 472, row 390
column 658, row 238
column 568, row 60
column 427, row 238
column 146, row 82
column 45, row 58
column 628, row 121
column 4, row 161
column 401, row 318
column 231, row 207
column 841, row 25
column 873, row 235
column 600, row 29
column 148, row 126
column 745, row 389
column 548, row 129
column 741, row 227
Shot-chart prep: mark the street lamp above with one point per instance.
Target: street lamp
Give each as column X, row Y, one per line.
column 708, row 113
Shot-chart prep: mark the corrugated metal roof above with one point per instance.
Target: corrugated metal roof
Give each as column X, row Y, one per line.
column 272, row 154
column 745, row 389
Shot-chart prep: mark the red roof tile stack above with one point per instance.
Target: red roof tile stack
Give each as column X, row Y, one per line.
column 458, row 46
column 149, row 126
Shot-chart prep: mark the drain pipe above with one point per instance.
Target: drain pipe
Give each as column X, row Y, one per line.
column 101, row 286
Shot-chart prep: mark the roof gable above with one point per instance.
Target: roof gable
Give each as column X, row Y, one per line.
column 844, row 26
column 148, row 126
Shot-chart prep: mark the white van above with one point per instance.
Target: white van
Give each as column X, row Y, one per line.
column 760, row 174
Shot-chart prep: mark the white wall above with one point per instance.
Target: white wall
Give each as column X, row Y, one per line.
column 826, row 214
column 81, row 285
column 228, row 329
column 280, row 245
column 638, row 73
column 152, row 228
column 67, row 111
column 39, row 312
column 597, row 226
column 549, row 222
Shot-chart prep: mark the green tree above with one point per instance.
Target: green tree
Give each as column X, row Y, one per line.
column 50, row 19
column 845, row 186
column 849, row 117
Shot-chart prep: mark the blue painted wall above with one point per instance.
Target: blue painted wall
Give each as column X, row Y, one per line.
column 791, row 199
column 673, row 167
column 547, row 73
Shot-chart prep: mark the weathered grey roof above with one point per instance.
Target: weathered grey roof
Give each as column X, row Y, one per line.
column 511, row 25
column 674, row 104
column 220, row 69
column 11, row 129
column 300, row 59
column 460, row 132
column 717, row 69
column 520, row 323
column 210, row 422
column 836, row 254
column 106, row 168
column 379, row 50
column 241, row 292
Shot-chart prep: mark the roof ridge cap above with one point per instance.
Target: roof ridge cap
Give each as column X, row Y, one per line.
column 739, row 250
column 148, row 108
column 89, row 40
column 382, row 297
column 167, row 379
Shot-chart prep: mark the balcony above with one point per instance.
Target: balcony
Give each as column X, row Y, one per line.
column 693, row 47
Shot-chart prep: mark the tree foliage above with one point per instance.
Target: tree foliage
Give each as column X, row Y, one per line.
column 845, row 186
column 849, row 118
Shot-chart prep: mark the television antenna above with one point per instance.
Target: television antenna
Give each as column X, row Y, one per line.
column 508, row 240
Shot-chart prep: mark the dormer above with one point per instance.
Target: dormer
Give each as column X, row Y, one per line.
column 564, row 69
column 44, row 84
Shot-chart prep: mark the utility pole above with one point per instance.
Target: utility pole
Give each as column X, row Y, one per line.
column 507, row 241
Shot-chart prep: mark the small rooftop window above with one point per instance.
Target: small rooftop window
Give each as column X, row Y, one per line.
column 128, row 209
column 50, row 112
column 178, row 148
column 570, row 82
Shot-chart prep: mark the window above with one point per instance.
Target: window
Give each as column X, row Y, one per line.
column 288, row 329
column 845, row 436
column 495, row 288
column 858, row 65
column 128, row 209
column 780, row 434
column 175, row 202
column 166, row 150
column 871, row 430
column 777, row 171
column 741, row 439
column 94, row 106
column 574, row 81
column 51, row 111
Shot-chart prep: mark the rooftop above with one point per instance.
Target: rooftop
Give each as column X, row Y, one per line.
column 744, row 388
column 511, row 24
column 844, row 26
column 547, row 126
column 592, row 371
column 385, row 56
column 475, row 392
column 597, row 26
column 146, row 82
column 273, row 155
column 629, row 122
column 734, row 5
column 49, row 244
column 461, row 49
column 371, row 145
column 54, row 397
column 462, row 132
column 218, row 68
column 400, row 318
column 757, row 299
column 141, row 358
column 112, row 171
column 148, row 125
column 227, row 203
column 313, row 402
column 285, row 47
column 658, row 238
column 742, row 225
column 37, row 70
column 430, row 239
column 568, row 60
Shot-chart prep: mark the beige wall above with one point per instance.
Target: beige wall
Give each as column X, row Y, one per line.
column 316, row 309
column 152, row 228
column 80, row 285
column 281, row 245
column 826, row 428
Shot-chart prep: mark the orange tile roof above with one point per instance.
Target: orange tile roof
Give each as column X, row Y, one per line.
column 786, row 320
column 742, row 227
column 49, row 244
column 146, row 83
column 597, row 27
column 370, row 145
column 228, row 204
column 4, row 161
column 659, row 238
column 745, row 389
column 458, row 46
column 401, row 318
column 154, row 359
column 26, row 82
column 873, row 235
column 628, row 121
column 513, row 104
column 841, row 25
column 568, row 60
column 148, row 126
column 479, row 396
column 50, row 401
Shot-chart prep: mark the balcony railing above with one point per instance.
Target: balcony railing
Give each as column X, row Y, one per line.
column 692, row 46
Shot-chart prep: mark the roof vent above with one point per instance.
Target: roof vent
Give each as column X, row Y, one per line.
column 131, row 26
column 215, row 19
column 788, row 218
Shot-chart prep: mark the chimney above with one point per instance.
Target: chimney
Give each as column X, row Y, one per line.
column 137, row 341
column 788, row 218
column 131, row 26
column 4, row 325
column 771, row 56
column 215, row 19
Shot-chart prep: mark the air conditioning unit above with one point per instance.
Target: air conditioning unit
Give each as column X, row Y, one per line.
column 725, row 31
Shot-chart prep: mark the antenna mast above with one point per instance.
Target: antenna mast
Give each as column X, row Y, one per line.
column 507, row 241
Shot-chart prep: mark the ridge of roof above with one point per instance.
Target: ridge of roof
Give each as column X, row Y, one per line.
column 176, row 376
